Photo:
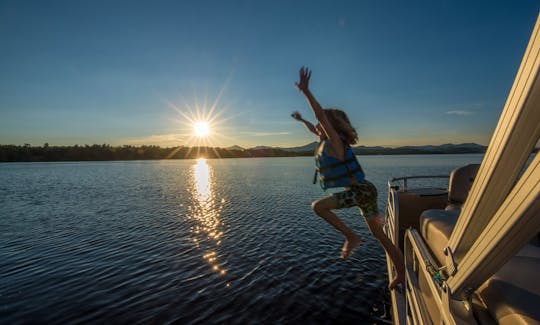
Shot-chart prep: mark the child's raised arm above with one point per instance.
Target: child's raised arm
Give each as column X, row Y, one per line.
column 307, row 124
column 303, row 86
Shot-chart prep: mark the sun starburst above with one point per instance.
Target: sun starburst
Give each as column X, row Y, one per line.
column 201, row 129
column 201, row 123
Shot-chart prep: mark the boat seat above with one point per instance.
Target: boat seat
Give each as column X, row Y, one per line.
column 436, row 225
column 512, row 295
column 460, row 183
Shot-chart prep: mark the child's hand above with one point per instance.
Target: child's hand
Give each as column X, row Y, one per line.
column 296, row 116
column 303, row 84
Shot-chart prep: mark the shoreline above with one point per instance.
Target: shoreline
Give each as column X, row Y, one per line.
column 15, row 154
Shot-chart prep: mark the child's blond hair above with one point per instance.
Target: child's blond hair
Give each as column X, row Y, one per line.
column 341, row 123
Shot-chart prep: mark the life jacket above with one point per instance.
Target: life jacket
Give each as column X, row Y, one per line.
column 336, row 173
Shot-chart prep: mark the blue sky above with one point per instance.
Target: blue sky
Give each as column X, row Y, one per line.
column 137, row 72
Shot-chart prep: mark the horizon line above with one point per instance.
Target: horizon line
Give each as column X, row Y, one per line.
column 46, row 144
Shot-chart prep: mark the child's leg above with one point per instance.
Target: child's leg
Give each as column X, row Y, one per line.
column 323, row 209
column 394, row 253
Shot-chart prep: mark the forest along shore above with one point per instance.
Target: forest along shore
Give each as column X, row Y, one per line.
column 105, row 152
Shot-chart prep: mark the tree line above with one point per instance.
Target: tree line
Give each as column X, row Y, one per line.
column 28, row 153
column 103, row 152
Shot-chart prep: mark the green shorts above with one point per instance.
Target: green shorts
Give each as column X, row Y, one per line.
column 363, row 195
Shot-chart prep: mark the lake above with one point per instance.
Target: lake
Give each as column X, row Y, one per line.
column 188, row 241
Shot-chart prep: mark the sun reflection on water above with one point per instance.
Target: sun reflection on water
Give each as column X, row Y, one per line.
column 206, row 214
column 202, row 180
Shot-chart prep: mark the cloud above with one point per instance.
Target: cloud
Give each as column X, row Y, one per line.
column 165, row 140
column 459, row 112
column 265, row 134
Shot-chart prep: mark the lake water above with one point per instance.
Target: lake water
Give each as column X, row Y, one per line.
column 188, row 241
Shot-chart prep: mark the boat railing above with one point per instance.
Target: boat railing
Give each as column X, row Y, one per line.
column 405, row 180
column 392, row 214
column 392, row 204
column 417, row 260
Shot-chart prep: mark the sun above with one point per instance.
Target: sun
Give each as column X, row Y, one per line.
column 202, row 126
column 201, row 129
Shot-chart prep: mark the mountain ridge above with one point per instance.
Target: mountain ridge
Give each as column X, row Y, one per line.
column 468, row 147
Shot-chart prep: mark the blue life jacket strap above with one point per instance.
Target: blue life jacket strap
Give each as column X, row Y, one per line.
column 349, row 173
column 334, row 165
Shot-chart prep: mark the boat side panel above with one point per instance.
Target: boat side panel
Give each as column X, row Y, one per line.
column 411, row 205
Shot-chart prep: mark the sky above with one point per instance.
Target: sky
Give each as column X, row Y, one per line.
column 142, row 72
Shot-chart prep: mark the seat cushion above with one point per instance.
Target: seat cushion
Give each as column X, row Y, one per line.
column 436, row 227
column 460, row 183
column 512, row 295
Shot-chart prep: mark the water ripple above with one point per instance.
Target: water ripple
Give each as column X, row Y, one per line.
column 218, row 241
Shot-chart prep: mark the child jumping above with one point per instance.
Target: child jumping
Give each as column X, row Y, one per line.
column 338, row 167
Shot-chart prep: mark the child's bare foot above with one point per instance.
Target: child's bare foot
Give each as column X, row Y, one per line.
column 350, row 245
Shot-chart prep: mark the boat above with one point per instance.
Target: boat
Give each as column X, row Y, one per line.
column 472, row 247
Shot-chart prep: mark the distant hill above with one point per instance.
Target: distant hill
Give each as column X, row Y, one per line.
column 308, row 147
column 235, row 147
column 263, row 148
column 448, row 148
column 428, row 149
